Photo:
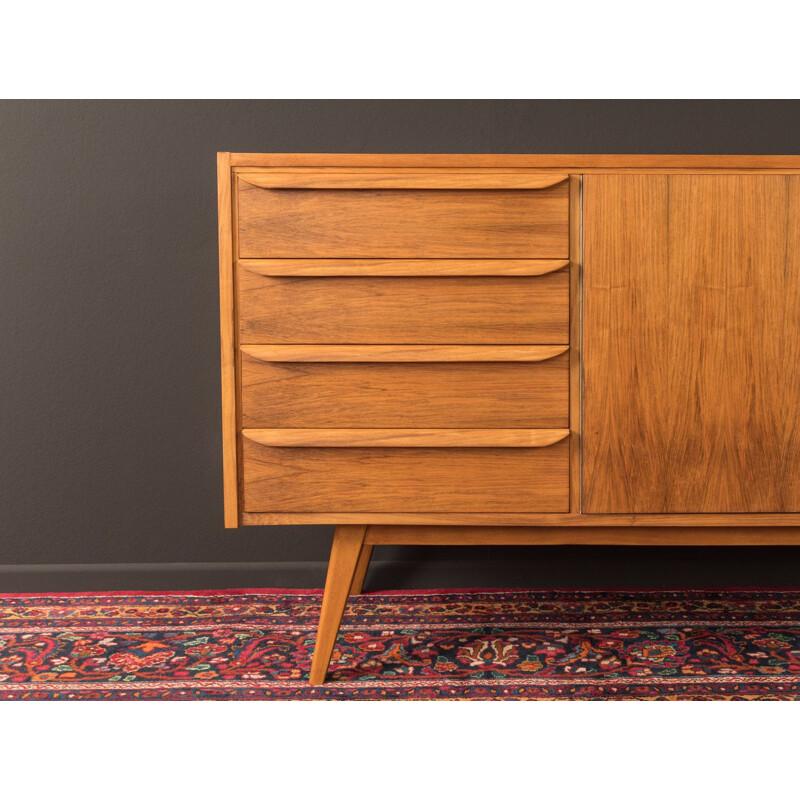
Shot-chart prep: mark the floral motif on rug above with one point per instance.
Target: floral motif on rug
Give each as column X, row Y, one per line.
column 543, row 645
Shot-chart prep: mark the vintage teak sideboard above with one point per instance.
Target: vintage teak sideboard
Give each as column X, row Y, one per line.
column 543, row 349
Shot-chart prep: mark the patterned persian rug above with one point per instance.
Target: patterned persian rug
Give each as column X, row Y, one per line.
column 524, row 645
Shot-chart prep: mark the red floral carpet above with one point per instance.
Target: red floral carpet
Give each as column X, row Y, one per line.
column 548, row 645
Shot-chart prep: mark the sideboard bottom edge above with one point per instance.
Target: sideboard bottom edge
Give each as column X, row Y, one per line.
column 543, row 535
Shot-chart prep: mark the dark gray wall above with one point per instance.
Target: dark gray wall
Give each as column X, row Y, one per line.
column 110, row 434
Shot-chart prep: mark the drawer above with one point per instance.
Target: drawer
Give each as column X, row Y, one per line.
column 403, row 310
column 401, row 478
column 318, row 215
column 392, row 387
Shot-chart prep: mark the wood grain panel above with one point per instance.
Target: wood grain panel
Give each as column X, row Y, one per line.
column 402, row 266
column 692, row 344
column 403, row 223
column 511, row 310
column 377, row 479
column 405, row 395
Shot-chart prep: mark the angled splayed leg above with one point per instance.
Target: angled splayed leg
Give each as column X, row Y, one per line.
column 346, row 555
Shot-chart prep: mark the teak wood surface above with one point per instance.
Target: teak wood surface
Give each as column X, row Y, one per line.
column 405, row 394
column 402, row 223
column 691, row 334
column 383, row 478
column 391, row 310
column 361, row 169
column 441, row 168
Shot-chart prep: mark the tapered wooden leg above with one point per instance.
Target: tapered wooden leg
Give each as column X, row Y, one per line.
column 348, row 542
column 361, row 569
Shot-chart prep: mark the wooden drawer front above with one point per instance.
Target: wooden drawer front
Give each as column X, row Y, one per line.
column 402, row 222
column 400, row 310
column 405, row 479
column 280, row 394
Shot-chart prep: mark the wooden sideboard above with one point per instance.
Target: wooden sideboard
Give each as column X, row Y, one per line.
column 543, row 349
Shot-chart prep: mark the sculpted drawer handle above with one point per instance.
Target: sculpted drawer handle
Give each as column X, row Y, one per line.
column 368, row 353
column 405, row 437
column 401, row 267
column 381, row 180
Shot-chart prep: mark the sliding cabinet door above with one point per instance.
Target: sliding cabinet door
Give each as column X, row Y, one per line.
column 691, row 343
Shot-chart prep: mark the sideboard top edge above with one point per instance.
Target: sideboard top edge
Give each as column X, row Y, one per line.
column 574, row 162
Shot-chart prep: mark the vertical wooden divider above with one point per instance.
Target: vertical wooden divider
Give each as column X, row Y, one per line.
column 575, row 335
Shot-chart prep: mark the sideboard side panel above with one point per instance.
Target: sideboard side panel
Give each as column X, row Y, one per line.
column 227, row 307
